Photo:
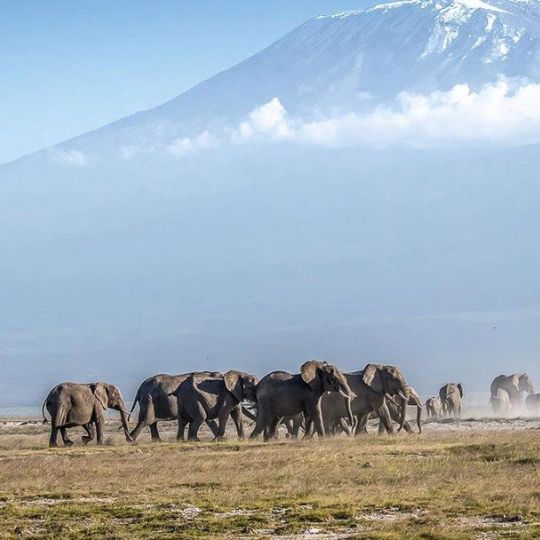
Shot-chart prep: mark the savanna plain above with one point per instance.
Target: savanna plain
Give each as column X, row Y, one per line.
column 460, row 479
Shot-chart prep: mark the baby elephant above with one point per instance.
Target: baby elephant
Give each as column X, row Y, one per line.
column 71, row 405
column 501, row 402
column 434, row 408
column 208, row 396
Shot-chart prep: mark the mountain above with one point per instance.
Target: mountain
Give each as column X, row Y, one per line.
column 258, row 256
column 343, row 62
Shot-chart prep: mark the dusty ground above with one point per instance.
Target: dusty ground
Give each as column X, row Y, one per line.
column 463, row 479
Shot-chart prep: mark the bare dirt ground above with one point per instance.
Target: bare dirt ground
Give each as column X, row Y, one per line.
column 468, row 478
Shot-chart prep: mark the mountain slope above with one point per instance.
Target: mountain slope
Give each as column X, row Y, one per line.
column 343, row 62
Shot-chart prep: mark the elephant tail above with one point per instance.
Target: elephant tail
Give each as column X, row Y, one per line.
column 45, row 421
column 135, row 401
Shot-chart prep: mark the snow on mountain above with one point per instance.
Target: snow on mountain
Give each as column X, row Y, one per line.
column 342, row 62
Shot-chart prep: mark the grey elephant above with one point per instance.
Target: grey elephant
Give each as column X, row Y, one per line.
column 514, row 384
column 281, row 394
column 372, row 387
column 71, row 404
column 414, row 401
column 156, row 403
column 532, row 402
column 208, row 396
column 434, row 408
column 501, row 402
column 451, row 396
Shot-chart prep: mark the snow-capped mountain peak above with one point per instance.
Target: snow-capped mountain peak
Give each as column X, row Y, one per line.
column 354, row 60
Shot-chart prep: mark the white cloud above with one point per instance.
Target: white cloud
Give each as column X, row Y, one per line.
column 502, row 113
column 499, row 113
column 72, row 157
column 188, row 145
column 269, row 120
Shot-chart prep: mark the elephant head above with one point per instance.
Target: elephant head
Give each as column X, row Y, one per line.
column 525, row 384
column 241, row 385
column 388, row 380
column 110, row 397
column 323, row 377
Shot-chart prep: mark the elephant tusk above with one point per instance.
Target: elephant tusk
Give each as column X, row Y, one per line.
column 403, row 396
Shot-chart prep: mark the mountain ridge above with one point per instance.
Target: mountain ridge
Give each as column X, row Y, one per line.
column 341, row 62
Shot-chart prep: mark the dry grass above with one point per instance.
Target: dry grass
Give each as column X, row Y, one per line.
column 468, row 485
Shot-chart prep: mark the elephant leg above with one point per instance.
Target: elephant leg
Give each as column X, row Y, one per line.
column 297, row 425
column 273, row 428
column 261, row 422
column 361, row 424
column 66, row 440
column 396, row 417
column 182, row 423
column 308, row 433
column 146, row 418
column 236, row 415
column 53, row 440
column 90, row 433
column 259, row 428
column 213, row 427
column 289, row 427
column 193, row 430
column 345, row 427
column 137, row 431
column 384, row 415
column 99, row 432
column 314, row 412
column 154, row 432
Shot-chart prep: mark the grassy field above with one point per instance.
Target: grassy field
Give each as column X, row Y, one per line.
column 438, row 485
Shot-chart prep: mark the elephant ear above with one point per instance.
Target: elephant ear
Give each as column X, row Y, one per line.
column 234, row 384
column 372, row 377
column 100, row 393
column 310, row 374
column 460, row 388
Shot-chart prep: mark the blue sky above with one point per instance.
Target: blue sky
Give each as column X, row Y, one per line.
column 69, row 67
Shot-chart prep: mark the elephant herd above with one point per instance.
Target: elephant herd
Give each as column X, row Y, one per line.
column 319, row 399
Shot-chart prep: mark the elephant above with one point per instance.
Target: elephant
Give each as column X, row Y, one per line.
column 514, row 384
column 532, row 402
column 208, row 396
column 156, row 403
column 414, row 400
column 434, row 407
column 281, row 394
column 371, row 387
column 451, row 396
column 71, row 404
column 501, row 403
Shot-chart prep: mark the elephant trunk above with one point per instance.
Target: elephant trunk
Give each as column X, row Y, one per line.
column 419, row 417
column 405, row 401
column 125, row 424
column 349, row 395
column 349, row 399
